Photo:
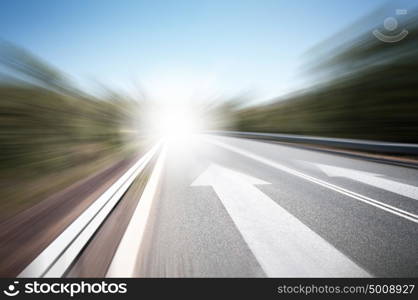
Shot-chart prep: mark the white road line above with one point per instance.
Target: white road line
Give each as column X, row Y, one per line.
column 386, row 207
column 372, row 179
column 282, row 244
column 125, row 259
column 54, row 260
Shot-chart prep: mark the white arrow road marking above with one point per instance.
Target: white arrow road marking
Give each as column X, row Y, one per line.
column 283, row 245
column 372, row 179
column 386, row 207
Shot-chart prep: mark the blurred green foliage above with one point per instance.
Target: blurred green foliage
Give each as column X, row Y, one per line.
column 52, row 134
column 43, row 130
column 368, row 90
column 47, row 125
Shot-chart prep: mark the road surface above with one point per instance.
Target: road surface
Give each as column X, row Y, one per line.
column 230, row 207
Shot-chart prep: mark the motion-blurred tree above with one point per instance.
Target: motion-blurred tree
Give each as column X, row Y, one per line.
column 368, row 90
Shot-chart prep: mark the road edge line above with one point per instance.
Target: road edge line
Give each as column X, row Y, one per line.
column 55, row 259
column 124, row 261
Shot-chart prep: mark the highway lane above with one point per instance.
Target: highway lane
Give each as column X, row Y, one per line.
column 232, row 207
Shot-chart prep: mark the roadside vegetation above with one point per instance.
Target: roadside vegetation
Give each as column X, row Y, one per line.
column 53, row 134
column 364, row 89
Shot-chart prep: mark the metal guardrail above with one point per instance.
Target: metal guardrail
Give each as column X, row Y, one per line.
column 55, row 260
column 351, row 144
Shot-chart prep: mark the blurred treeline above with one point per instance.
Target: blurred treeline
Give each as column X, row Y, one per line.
column 50, row 129
column 365, row 89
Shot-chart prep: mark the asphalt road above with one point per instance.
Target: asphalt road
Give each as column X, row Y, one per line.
column 230, row 207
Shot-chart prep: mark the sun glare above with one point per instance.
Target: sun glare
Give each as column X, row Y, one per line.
column 177, row 124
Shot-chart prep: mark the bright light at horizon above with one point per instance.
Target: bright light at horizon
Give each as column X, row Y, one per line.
column 177, row 124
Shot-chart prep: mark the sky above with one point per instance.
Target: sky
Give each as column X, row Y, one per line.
column 179, row 49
